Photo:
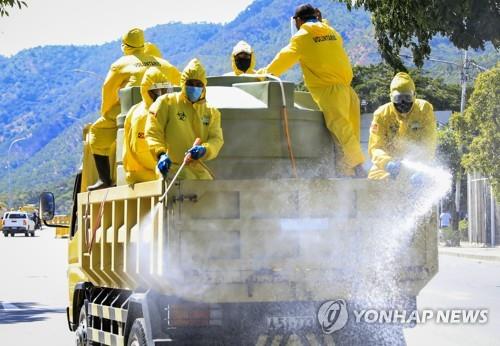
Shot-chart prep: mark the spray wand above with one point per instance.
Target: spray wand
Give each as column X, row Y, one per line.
column 187, row 158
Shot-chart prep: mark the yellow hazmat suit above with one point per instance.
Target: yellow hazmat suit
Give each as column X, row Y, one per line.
column 139, row 163
column 151, row 49
column 327, row 74
column 174, row 123
column 393, row 135
column 127, row 71
column 242, row 47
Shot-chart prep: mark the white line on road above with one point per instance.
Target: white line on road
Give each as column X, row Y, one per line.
column 8, row 307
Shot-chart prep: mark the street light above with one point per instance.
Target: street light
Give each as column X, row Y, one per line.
column 8, row 164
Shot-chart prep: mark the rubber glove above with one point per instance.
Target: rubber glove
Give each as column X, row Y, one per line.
column 393, row 168
column 197, row 152
column 164, row 164
column 417, row 180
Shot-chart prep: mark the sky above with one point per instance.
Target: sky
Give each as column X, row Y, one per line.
column 82, row 22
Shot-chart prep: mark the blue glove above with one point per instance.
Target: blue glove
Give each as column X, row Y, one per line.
column 197, row 152
column 417, row 180
column 164, row 164
column 393, row 168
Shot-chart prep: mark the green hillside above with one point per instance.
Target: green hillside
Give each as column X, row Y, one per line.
column 46, row 89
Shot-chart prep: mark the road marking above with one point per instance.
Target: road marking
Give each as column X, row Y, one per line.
column 9, row 307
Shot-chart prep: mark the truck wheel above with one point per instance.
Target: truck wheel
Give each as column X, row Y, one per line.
column 81, row 332
column 137, row 336
column 11, row 234
column 26, row 234
column 5, row 234
column 32, row 234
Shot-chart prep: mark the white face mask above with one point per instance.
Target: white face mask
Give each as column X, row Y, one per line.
column 293, row 28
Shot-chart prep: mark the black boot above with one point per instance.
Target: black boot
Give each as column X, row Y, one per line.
column 102, row 165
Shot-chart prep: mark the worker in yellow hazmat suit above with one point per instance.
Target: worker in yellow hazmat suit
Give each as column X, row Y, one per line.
column 176, row 120
column 327, row 74
column 242, row 59
column 138, row 162
column 125, row 72
column 402, row 128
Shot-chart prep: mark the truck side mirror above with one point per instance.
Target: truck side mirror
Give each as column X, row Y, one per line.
column 47, row 206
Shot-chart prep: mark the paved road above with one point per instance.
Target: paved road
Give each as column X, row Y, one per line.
column 33, row 296
column 460, row 283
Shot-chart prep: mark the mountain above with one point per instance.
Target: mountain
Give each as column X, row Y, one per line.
column 52, row 91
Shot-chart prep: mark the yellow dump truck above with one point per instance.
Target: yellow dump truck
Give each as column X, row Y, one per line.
column 255, row 256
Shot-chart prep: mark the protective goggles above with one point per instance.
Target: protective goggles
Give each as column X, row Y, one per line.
column 158, row 89
column 402, row 97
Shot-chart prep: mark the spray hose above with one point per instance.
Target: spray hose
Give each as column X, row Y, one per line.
column 90, row 242
column 284, row 116
column 187, row 158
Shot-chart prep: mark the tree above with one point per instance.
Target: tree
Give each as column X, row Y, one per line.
column 413, row 23
column 448, row 153
column 372, row 85
column 4, row 4
column 480, row 128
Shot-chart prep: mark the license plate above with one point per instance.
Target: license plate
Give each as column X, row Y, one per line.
column 289, row 323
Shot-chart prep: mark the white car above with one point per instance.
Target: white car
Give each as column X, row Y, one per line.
column 18, row 222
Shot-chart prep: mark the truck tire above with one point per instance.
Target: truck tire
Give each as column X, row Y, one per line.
column 26, row 234
column 5, row 234
column 11, row 234
column 137, row 336
column 81, row 335
column 32, row 233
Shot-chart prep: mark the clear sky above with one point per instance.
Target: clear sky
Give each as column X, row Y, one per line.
column 97, row 21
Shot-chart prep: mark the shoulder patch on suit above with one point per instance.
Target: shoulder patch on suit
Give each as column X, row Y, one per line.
column 206, row 120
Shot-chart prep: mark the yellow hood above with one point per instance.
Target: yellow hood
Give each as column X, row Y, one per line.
column 152, row 76
column 194, row 70
column 240, row 47
column 152, row 49
column 402, row 82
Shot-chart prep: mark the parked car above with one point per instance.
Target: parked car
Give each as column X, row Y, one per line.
column 18, row 222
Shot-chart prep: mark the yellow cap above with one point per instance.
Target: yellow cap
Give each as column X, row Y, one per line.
column 152, row 49
column 402, row 82
column 134, row 38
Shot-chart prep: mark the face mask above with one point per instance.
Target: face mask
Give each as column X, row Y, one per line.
column 403, row 106
column 242, row 64
column 193, row 93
